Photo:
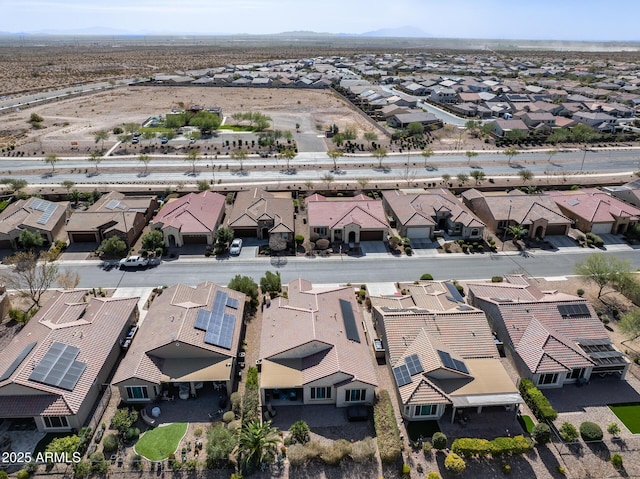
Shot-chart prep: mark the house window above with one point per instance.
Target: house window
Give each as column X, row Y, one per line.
column 321, row 393
column 137, row 393
column 320, row 231
column 474, row 232
column 426, row 410
column 355, row 395
column 548, row 378
column 52, row 422
column 503, row 224
column 576, row 373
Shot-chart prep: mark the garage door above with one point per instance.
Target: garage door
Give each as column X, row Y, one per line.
column 554, row 230
column 418, row 232
column 244, row 232
column 83, row 238
column 5, row 244
column 601, row 228
column 194, row 239
column 371, row 236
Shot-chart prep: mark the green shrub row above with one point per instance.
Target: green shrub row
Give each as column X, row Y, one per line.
column 387, row 432
column 500, row 446
column 251, row 398
column 536, row 401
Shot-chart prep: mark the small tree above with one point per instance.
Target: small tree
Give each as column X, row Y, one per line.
column 462, row 177
column 471, row 154
column 605, row 271
column 52, row 160
column 525, row 175
column 68, row 279
column 123, row 419
column 30, row 240
column 153, row 240
column 96, row 158
column 224, row 236
column 258, row 442
column 271, row 282
column 145, row 159
column 220, row 444
column 239, row 156
column 193, row 156
column 370, row 136
column 334, row 155
column 510, row 153
column 446, row 177
column 426, row 154
column 328, row 179
column 477, row 175
column 288, row 155
column 101, row 136
column 630, row 324
column 415, row 128
column 30, row 274
column 113, row 247
column 517, row 232
column 380, row 154
column 246, row 285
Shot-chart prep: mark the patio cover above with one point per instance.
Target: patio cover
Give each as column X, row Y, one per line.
column 196, row 369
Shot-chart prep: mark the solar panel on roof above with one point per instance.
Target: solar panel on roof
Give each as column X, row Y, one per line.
column 573, row 310
column 349, row 319
column 455, row 294
column 112, row 204
column 232, row 303
column 452, row 363
column 460, row 366
column 58, row 367
column 39, row 204
column 413, row 364
column 17, row 361
column 401, row 374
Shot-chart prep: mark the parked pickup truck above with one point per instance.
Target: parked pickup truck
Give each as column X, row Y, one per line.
column 133, row 262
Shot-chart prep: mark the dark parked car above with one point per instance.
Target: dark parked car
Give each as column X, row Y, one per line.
column 358, row 413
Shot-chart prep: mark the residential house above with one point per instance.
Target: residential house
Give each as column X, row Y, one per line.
column 260, row 214
column 420, row 215
column 500, row 127
column 538, row 119
column 191, row 219
column 629, row 192
column 441, row 353
column 552, row 338
column 538, row 214
column 41, row 217
column 442, row 94
column 346, row 220
column 413, row 89
column 54, row 370
column 598, row 121
column 596, row 211
column 324, row 357
column 189, row 341
column 402, row 120
column 114, row 214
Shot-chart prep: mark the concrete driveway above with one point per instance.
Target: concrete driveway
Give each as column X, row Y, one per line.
column 561, row 241
column 373, row 247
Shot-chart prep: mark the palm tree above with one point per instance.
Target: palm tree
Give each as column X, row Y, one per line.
column 96, row 158
column 52, row 160
column 428, row 153
column 471, row 154
column 145, row 159
column 258, row 443
column 75, row 196
column 517, row 231
column 380, row 154
column 101, row 136
column 334, row 155
column 193, row 157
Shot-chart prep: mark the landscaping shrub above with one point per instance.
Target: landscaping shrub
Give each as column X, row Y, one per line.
column 236, row 402
column 251, row 399
column 322, row 244
column 568, row 432
column 426, row 277
column 541, row 433
column 336, row 452
column 616, row 461
column 98, row 464
column 470, row 447
column 22, row 474
column 454, row 464
column 497, row 279
column 363, row 451
column 405, row 470
column 500, row 446
column 3, row 475
column 439, row 441
column 387, row 432
column 536, row 401
column 228, row 416
column 301, row 454
column 426, row 448
column 132, row 434
column 613, row 429
column 136, row 462
column 590, row 431
column 506, row 468
column 110, row 443
column 299, row 432
column 433, row 475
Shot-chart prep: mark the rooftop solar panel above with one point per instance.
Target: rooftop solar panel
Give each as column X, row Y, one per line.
column 349, row 319
column 452, row 363
column 16, row 362
column 401, row 374
column 58, row 367
column 455, row 294
column 413, row 364
column 573, row 310
column 232, row 303
column 218, row 325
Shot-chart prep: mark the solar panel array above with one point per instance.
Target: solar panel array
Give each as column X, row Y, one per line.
column 455, row 294
column 217, row 324
column 16, row 362
column 232, row 303
column 413, row 364
column 402, row 375
column 47, row 208
column 451, row 363
column 573, row 310
column 58, row 367
column 349, row 319
column 113, row 204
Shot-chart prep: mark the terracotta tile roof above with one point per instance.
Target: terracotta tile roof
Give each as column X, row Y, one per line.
column 315, row 331
column 363, row 211
column 192, row 213
column 170, row 320
column 594, row 205
column 95, row 332
column 252, row 206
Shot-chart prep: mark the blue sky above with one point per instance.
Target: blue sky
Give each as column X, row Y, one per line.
column 519, row 19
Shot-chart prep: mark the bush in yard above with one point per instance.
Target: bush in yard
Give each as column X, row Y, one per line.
column 3, row 475
column 616, row 460
column 228, row 416
column 98, row 464
column 426, row 277
column 454, row 464
column 298, row 455
column 502, row 446
column 336, row 452
column 538, row 403
column 387, row 432
column 541, row 433
column 613, row 429
column 405, row 470
column 426, row 448
column 236, row 402
column 506, row 468
column 299, row 239
column 110, row 443
column 590, row 431
column 497, row 279
column 133, row 433
column 568, row 432
column 322, row 244
column 22, row 474
column 470, row 447
column 433, row 475
column 363, row 451
column 439, row 441
column 220, row 443
column 299, row 431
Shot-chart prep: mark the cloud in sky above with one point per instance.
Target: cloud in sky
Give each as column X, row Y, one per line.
column 543, row 19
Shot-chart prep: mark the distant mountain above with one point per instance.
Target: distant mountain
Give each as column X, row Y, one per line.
column 400, row 32
column 86, row 31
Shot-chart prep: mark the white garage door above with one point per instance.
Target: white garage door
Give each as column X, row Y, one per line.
column 602, row 228
column 416, row 232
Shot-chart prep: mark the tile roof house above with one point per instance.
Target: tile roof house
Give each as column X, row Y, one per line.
column 502, row 127
column 441, row 352
column 55, row 368
column 596, row 211
column 552, row 338
column 313, row 349
column 114, row 214
column 189, row 339
column 260, row 214
column 402, row 120
column 346, row 220
column 539, row 214
column 193, row 218
column 36, row 215
column 419, row 215
column 629, row 192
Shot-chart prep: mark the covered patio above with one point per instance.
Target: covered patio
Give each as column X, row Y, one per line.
column 207, row 400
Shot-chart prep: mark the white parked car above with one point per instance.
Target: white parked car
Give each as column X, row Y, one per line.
column 133, row 262
column 236, row 246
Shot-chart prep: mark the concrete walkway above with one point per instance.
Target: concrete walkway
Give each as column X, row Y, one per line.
column 143, row 293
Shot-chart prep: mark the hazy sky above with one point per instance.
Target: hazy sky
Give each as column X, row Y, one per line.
column 519, row 19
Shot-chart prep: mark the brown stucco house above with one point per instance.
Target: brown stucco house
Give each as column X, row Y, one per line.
column 257, row 213
column 54, row 370
column 42, row 217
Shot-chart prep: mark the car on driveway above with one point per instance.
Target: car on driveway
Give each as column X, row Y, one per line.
column 236, row 246
column 357, row 413
column 133, row 262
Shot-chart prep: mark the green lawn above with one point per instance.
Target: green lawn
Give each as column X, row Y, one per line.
column 158, row 443
column 415, row 429
column 629, row 414
column 236, row 127
column 527, row 423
